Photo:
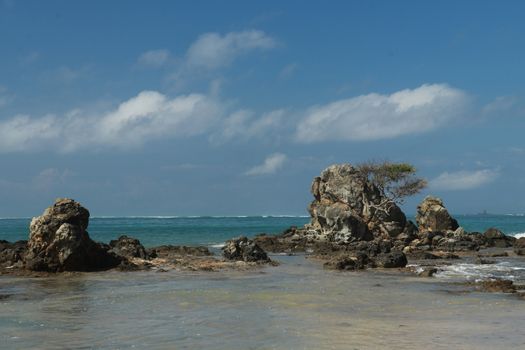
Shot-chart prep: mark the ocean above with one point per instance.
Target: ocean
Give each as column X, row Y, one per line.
column 296, row 305
column 212, row 231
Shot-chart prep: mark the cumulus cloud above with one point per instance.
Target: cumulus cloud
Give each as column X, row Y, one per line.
column 213, row 50
column 149, row 115
column 154, row 58
column 376, row 116
column 464, row 180
column 271, row 164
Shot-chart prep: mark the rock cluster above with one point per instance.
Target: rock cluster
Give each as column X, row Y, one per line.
column 59, row 241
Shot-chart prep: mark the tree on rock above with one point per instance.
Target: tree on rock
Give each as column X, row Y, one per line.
column 395, row 181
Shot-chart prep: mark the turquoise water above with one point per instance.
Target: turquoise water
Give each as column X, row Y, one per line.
column 215, row 230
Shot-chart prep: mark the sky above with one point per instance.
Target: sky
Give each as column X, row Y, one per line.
column 233, row 107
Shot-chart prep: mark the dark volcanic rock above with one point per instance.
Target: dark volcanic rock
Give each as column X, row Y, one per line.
column 496, row 238
column 128, row 247
column 174, row 251
column 391, row 260
column 12, row 253
column 433, row 216
column 243, row 249
column 348, row 262
column 59, row 241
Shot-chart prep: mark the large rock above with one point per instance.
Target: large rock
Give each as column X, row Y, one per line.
column 433, row 216
column 244, row 249
column 345, row 208
column 519, row 246
column 59, row 241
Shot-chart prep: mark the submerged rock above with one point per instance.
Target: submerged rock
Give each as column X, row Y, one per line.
column 59, row 241
column 433, row 216
column 244, row 249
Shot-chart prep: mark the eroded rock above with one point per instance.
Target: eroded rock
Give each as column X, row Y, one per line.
column 59, row 241
column 433, row 216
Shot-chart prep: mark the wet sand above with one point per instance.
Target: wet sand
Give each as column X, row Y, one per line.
column 296, row 305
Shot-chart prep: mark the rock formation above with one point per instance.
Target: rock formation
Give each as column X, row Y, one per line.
column 433, row 216
column 348, row 208
column 59, row 241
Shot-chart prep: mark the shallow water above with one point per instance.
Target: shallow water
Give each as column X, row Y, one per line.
column 296, row 305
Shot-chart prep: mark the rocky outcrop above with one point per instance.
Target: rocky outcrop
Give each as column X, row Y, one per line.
column 128, row 247
column 348, row 208
column 59, row 241
column 433, row 216
column 244, row 249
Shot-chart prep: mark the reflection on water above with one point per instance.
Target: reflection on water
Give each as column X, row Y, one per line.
column 294, row 306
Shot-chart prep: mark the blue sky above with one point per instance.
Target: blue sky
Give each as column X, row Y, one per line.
column 231, row 108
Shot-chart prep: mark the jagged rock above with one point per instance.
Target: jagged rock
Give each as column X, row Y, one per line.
column 243, row 249
column 174, row 251
column 433, row 216
column 391, row 260
column 292, row 240
column 345, row 205
column 12, row 253
column 519, row 246
column 496, row 238
column 128, row 247
column 59, row 241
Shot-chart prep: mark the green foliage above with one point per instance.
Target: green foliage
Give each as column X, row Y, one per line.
column 396, row 181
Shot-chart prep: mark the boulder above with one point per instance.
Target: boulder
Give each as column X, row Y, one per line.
column 391, row 260
column 244, row 249
column 128, row 247
column 519, row 246
column 348, row 262
column 433, row 216
column 346, row 206
column 59, row 241
column 496, row 238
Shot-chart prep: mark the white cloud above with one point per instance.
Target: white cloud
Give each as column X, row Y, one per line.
column 149, row 115
column 271, row 164
column 464, row 180
column 375, row 116
column 244, row 125
column 154, row 58
column 213, row 50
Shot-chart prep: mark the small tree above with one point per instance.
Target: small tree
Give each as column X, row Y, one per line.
column 395, row 181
